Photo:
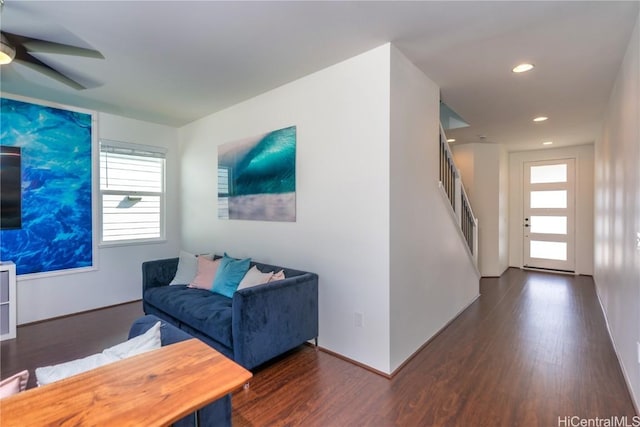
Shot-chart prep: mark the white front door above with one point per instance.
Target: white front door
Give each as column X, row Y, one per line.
column 549, row 214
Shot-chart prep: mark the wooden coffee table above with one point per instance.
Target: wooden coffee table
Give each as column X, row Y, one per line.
column 155, row 388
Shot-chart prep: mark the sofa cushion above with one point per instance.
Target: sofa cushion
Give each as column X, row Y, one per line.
column 207, row 269
column 229, row 275
column 14, row 384
column 277, row 276
column 254, row 277
column 200, row 309
column 187, row 269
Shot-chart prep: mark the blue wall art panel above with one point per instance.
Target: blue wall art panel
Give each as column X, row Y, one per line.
column 257, row 177
column 56, row 228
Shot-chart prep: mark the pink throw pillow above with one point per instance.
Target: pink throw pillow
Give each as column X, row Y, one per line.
column 14, row 384
column 277, row 276
column 206, row 273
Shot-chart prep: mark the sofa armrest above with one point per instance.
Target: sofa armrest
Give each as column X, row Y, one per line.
column 158, row 272
column 270, row 319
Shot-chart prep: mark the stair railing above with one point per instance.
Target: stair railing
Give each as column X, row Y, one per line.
column 451, row 184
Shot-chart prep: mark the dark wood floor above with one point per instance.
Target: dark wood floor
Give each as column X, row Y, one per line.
column 532, row 348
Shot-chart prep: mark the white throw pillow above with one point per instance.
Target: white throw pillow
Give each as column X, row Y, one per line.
column 49, row 374
column 150, row 340
column 187, row 269
column 254, row 277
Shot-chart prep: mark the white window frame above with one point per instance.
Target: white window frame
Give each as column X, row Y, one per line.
column 143, row 151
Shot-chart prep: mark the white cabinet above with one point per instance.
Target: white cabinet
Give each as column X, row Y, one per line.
column 7, row 300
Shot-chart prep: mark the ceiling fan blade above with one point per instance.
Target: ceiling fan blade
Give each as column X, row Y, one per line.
column 24, row 58
column 45, row 46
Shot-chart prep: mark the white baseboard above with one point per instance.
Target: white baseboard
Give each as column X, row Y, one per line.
column 634, row 398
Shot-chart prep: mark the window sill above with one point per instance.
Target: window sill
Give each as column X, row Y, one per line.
column 106, row 245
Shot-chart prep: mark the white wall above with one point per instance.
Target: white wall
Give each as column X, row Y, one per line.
column 617, row 215
column 484, row 172
column 348, row 230
column 117, row 278
column 464, row 159
column 503, row 212
column 584, row 202
column 432, row 277
column 342, row 166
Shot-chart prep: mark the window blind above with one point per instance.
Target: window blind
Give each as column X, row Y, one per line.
column 132, row 191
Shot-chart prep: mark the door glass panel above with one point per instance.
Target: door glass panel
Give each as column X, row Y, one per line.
column 548, row 250
column 549, row 224
column 548, row 173
column 549, row 199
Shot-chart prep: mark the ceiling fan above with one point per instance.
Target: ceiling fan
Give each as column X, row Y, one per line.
column 15, row 47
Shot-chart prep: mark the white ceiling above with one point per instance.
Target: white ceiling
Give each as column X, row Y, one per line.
column 174, row 62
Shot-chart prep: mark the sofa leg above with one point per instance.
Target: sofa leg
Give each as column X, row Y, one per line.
column 315, row 341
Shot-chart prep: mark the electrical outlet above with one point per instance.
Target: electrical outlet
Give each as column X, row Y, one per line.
column 358, row 319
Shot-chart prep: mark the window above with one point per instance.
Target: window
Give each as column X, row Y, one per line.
column 548, row 224
column 548, row 250
column 549, row 173
column 224, row 190
column 556, row 199
column 131, row 192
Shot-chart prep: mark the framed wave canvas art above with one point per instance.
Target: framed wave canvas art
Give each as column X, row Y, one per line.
column 257, row 177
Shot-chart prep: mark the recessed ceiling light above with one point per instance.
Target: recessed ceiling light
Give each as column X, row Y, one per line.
column 540, row 119
column 521, row 68
column 451, row 140
column 547, row 143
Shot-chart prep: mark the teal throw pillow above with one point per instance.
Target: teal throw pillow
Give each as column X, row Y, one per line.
column 230, row 273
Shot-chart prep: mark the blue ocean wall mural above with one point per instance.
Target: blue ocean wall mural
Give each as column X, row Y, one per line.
column 257, row 177
column 56, row 148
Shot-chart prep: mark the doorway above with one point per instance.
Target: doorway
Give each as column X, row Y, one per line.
column 549, row 215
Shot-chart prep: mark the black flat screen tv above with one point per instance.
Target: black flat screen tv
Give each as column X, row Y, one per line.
column 10, row 188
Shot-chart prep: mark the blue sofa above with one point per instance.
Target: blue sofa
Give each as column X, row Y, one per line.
column 256, row 325
column 216, row 414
